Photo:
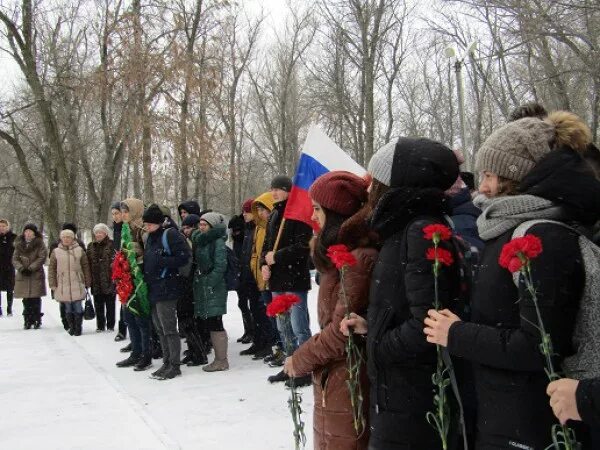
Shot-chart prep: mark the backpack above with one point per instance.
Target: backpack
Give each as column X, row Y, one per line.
column 183, row 271
column 232, row 272
column 585, row 363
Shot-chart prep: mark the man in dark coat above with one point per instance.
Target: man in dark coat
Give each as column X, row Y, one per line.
column 52, row 246
column 7, row 270
column 165, row 285
column 285, row 264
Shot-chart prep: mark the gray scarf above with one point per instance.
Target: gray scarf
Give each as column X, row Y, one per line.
column 501, row 214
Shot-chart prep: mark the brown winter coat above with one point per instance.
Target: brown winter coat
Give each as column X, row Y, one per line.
column 324, row 355
column 100, row 257
column 30, row 256
column 69, row 273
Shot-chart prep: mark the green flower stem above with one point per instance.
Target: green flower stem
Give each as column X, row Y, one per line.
column 562, row 436
column 354, row 360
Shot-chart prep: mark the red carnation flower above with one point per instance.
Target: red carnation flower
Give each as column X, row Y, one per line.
column 437, row 232
column 340, row 256
column 440, row 255
column 519, row 251
column 281, row 304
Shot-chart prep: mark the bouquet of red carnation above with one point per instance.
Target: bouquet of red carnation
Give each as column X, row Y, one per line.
column 516, row 256
column 121, row 275
column 342, row 259
column 280, row 308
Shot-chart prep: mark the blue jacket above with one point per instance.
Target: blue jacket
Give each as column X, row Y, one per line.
column 161, row 270
column 464, row 216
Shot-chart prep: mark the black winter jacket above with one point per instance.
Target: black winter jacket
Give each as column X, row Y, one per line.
column 246, row 277
column 588, row 401
column 161, row 272
column 464, row 217
column 400, row 360
column 7, row 270
column 290, row 273
column 117, row 235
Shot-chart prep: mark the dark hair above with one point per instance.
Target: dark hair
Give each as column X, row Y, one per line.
column 326, row 237
column 469, row 179
column 378, row 189
column 592, row 157
column 530, row 109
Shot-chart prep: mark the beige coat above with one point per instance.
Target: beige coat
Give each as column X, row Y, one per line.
column 30, row 256
column 69, row 273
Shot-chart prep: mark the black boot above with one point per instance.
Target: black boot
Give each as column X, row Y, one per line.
column 278, row 378
column 9, row 303
column 78, row 319
column 156, row 350
column 144, row 363
column 131, row 361
column 198, row 360
column 170, row 373
column 37, row 323
column 248, row 327
column 159, row 373
column 70, row 318
column 251, row 350
column 27, row 323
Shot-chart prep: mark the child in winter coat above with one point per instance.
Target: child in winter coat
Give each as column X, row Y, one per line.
column 532, row 169
column 210, row 290
column 338, row 199
column 30, row 280
column 69, row 276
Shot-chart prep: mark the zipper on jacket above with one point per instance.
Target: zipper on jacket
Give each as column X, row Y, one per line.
column 324, row 386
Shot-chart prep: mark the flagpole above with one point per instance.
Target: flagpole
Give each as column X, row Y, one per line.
column 279, row 233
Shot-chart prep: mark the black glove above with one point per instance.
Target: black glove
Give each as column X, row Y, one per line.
column 26, row 271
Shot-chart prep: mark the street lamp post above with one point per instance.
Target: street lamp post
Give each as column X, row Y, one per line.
column 458, row 64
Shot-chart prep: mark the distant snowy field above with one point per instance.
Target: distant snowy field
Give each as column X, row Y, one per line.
column 61, row 392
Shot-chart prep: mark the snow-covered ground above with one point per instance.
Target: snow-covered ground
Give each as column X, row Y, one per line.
column 63, row 392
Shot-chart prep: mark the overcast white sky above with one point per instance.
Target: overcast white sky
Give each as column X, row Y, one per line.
column 275, row 12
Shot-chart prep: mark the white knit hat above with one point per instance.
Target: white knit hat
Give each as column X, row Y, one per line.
column 101, row 227
column 214, row 219
column 67, row 232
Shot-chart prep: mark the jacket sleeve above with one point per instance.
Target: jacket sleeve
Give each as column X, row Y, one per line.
column 330, row 343
column 559, row 278
column 217, row 274
column 180, row 252
column 39, row 260
column 407, row 338
column 86, row 269
column 298, row 250
column 52, row 275
column 588, row 401
column 16, row 260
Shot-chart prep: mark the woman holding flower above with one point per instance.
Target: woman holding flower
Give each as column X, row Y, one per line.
column 338, row 199
column 531, row 170
column 407, row 195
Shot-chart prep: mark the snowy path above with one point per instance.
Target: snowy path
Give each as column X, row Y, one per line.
column 60, row 392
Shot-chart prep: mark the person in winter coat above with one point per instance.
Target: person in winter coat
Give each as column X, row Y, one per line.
column 164, row 253
column 532, row 170
column 261, row 210
column 7, row 270
column 69, row 276
column 51, row 247
column 285, row 265
column 115, row 211
column 30, row 280
column 576, row 400
column 210, row 290
column 192, row 327
column 188, row 207
column 338, row 198
column 100, row 254
column 237, row 226
column 406, row 195
column 139, row 328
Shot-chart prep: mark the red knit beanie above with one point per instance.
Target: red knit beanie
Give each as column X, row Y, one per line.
column 341, row 192
column 247, row 205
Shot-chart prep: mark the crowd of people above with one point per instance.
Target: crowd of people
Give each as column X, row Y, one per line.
column 539, row 175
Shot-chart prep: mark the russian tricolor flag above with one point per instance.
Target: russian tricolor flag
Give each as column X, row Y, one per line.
column 319, row 156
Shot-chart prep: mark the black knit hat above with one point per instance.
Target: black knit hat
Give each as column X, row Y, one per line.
column 116, row 205
column 153, row 214
column 282, row 182
column 31, row 226
column 69, row 226
column 191, row 220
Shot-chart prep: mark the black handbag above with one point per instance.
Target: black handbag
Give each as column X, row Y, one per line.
column 88, row 310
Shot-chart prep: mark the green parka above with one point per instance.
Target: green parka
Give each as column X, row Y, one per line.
column 210, row 258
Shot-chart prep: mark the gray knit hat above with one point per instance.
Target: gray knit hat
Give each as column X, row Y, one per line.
column 380, row 166
column 515, row 148
column 214, row 219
